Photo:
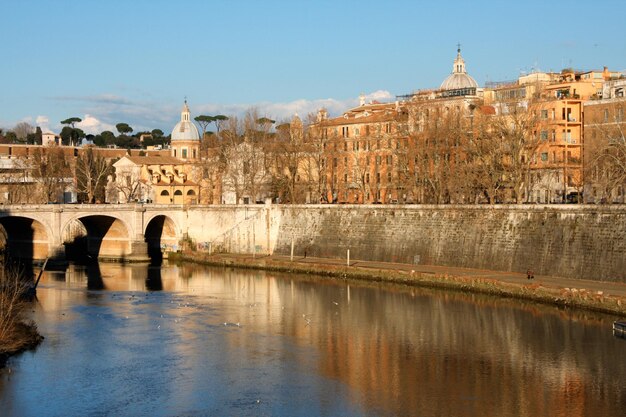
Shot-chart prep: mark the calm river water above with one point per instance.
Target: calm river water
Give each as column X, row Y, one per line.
column 196, row 341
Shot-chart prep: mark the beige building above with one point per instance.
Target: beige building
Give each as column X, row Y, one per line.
column 161, row 179
column 152, row 179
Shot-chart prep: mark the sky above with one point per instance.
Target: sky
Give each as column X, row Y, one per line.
column 136, row 61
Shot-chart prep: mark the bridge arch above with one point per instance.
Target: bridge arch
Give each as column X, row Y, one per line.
column 161, row 234
column 97, row 236
column 25, row 237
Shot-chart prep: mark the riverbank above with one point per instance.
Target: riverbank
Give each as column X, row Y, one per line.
column 16, row 333
column 600, row 296
column 24, row 336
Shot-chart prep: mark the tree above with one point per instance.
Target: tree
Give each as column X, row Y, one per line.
column 22, row 130
column 91, row 172
column 157, row 133
column 204, row 121
column 50, row 170
column 123, row 128
column 606, row 152
column 70, row 135
column 74, row 134
column 218, row 120
column 10, row 137
column 19, row 185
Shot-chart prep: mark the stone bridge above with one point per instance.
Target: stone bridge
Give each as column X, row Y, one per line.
column 121, row 232
column 576, row 241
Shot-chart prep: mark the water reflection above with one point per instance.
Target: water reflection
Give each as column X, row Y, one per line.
column 196, row 340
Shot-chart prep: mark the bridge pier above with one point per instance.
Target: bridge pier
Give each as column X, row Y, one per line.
column 56, row 258
column 138, row 251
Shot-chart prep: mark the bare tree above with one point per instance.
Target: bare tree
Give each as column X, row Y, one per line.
column 91, row 172
column 606, row 166
column 18, row 182
column 51, row 171
column 22, row 130
column 126, row 186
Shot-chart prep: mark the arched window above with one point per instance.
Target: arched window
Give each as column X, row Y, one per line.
column 164, row 192
column 191, row 192
column 178, row 192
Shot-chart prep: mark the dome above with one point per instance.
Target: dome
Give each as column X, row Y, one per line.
column 185, row 129
column 459, row 78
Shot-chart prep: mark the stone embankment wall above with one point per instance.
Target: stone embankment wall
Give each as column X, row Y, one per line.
column 583, row 242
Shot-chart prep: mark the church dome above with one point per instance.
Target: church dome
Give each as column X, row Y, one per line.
column 459, row 78
column 185, row 129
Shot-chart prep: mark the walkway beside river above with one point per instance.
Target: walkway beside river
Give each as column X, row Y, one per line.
column 601, row 296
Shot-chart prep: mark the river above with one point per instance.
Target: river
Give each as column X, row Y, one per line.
column 125, row 340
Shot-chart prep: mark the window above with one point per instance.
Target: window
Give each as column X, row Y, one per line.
column 389, row 177
column 367, row 178
column 345, row 131
column 191, row 192
column 387, row 127
column 184, row 153
column 619, row 115
column 544, row 156
column 544, row 135
column 178, row 192
column 164, row 193
column 606, row 115
column 334, row 162
column 553, row 135
column 389, row 160
column 345, row 177
column 378, row 159
column 378, row 177
column 544, row 114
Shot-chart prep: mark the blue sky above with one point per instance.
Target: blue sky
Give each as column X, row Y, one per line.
column 134, row 61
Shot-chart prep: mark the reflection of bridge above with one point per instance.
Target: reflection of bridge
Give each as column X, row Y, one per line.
column 125, row 232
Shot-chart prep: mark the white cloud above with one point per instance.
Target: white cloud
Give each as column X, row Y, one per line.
column 91, row 125
column 286, row 110
column 44, row 123
column 102, row 112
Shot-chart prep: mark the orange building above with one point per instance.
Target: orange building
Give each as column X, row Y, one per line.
column 556, row 99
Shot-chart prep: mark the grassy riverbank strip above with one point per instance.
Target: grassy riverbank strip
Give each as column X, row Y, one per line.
column 16, row 333
column 561, row 296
